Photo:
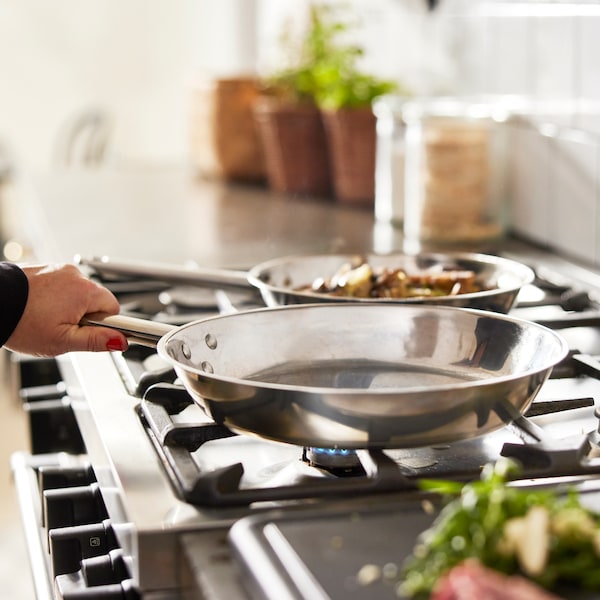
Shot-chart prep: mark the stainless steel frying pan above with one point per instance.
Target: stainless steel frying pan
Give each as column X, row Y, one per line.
column 358, row 375
column 278, row 280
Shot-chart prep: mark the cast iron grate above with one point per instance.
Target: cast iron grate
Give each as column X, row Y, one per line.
column 540, row 455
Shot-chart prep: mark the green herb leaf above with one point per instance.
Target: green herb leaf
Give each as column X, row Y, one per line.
column 475, row 521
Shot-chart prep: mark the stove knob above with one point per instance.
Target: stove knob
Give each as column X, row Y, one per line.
column 53, row 427
column 73, row 587
column 70, row 545
column 51, row 478
column 34, row 371
column 73, row 506
column 105, row 569
column 38, row 393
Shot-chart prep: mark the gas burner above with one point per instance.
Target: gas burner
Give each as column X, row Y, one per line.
column 176, row 441
column 337, row 461
column 174, row 304
column 188, row 298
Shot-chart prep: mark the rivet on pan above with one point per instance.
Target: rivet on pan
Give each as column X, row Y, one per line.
column 211, row 341
column 185, row 350
column 207, row 367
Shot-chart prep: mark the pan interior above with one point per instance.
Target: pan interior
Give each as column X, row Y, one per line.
column 363, row 375
column 354, row 346
column 293, row 273
column 359, row 374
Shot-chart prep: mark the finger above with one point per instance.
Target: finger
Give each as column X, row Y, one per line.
column 102, row 300
column 96, row 339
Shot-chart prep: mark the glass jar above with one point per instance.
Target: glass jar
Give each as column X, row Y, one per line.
column 389, row 159
column 455, row 173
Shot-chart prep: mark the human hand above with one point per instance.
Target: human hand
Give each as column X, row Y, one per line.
column 59, row 296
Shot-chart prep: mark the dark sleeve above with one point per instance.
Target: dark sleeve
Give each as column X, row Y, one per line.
column 14, row 289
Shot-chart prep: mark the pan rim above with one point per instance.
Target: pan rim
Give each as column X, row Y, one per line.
column 528, row 276
column 562, row 350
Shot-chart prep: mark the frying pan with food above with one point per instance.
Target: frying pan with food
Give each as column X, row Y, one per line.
column 287, row 280
column 357, row 375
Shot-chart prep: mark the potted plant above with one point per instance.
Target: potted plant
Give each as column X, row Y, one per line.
column 224, row 139
column 344, row 94
column 329, row 98
column 294, row 146
column 289, row 121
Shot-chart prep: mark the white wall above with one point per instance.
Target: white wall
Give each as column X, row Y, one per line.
column 547, row 52
column 135, row 60
column 126, row 58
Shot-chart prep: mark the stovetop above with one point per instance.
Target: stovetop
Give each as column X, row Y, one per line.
column 172, row 480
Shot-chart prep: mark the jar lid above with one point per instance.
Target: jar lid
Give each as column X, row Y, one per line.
column 471, row 108
column 389, row 105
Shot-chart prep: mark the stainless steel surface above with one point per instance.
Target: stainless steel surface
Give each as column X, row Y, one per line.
column 279, row 280
column 362, row 376
column 147, row 518
column 139, row 331
column 23, row 467
column 199, row 276
column 358, row 376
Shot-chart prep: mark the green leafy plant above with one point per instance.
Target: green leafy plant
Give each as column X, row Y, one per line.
column 325, row 70
column 500, row 526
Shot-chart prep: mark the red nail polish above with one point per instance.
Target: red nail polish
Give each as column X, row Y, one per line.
column 115, row 344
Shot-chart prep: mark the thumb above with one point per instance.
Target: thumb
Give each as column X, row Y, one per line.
column 98, row 339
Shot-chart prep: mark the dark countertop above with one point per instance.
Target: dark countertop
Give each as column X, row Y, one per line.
column 169, row 215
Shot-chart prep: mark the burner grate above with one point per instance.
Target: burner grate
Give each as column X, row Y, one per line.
column 221, row 487
column 543, row 456
column 374, row 470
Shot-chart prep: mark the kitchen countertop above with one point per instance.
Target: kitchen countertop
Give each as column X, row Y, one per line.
column 170, row 215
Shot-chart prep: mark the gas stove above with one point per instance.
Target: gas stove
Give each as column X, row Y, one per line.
column 131, row 491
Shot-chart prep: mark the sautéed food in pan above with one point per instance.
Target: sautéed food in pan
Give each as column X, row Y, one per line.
column 359, row 279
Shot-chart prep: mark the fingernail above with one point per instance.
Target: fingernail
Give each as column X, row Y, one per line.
column 115, row 343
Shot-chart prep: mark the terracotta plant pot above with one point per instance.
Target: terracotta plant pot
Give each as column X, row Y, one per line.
column 294, row 147
column 225, row 141
column 351, row 135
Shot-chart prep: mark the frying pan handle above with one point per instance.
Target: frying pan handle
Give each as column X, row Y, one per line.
column 137, row 331
column 204, row 276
